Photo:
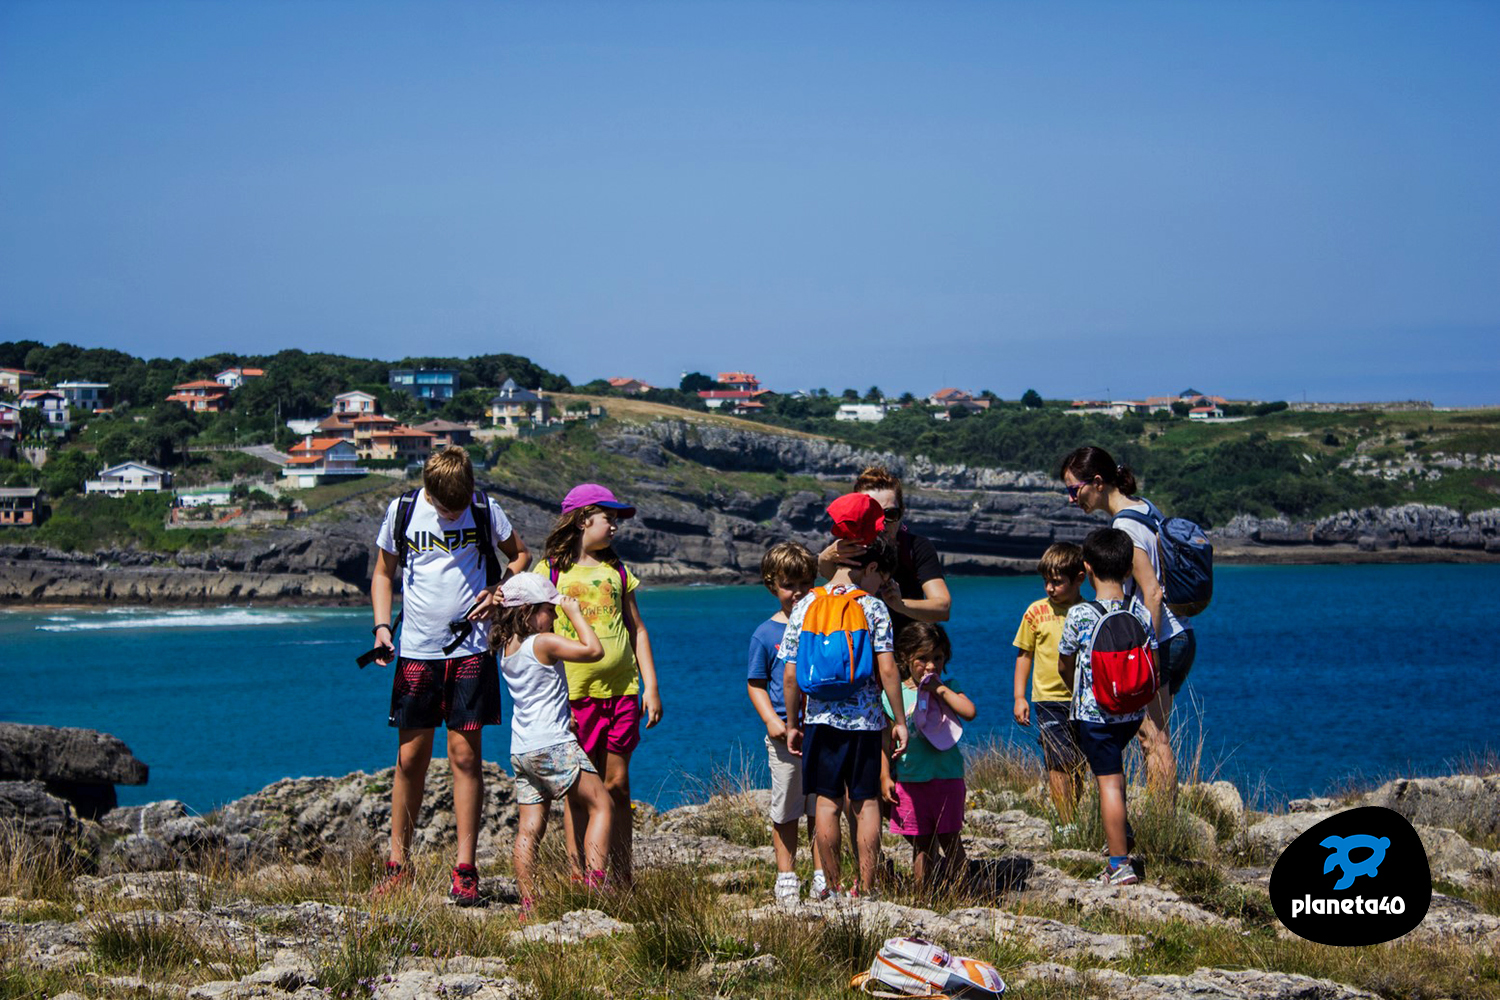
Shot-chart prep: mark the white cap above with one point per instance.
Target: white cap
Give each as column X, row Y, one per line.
column 528, row 588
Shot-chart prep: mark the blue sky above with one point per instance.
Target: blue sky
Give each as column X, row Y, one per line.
column 1261, row 199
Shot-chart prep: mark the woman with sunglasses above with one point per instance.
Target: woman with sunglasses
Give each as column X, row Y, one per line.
column 918, row 591
column 1095, row 483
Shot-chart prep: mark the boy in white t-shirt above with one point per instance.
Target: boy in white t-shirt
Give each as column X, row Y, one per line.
column 446, row 672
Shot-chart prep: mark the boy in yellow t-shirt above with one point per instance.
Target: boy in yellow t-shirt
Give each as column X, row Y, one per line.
column 1061, row 569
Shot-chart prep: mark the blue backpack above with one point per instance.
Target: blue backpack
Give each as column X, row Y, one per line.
column 835, row 654
column 1186, row 557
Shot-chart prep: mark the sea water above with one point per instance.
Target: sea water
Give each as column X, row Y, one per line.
column 1307, row 678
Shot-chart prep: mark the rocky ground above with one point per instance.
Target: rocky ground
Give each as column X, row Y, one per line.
column 269, row 898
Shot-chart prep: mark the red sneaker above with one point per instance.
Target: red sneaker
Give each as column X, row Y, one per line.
column 465, row 891
column 397, row 876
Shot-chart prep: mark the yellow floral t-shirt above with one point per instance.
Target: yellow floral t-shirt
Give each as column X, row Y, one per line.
column 597, row 590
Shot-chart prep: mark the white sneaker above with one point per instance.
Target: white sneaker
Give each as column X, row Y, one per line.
column 788, row 889
column 1123, row 875
column 819, row 887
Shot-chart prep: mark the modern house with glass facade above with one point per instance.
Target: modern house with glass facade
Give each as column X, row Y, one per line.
column 434, row 386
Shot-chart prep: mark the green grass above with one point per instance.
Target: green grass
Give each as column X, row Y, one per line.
column 134, row 943
column 1482, row 892
column 86, row 523
column 345, row 488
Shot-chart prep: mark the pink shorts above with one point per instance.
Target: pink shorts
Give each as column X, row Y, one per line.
column 612, row 724
column 926, row 807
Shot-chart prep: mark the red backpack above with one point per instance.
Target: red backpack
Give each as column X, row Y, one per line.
column 1122, row 662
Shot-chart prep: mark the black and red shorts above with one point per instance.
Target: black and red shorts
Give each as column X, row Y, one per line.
column 462, row 693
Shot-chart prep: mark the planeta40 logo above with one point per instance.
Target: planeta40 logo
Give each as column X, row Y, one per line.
column 1360, row 877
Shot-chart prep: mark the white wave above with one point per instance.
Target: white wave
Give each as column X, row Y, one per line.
column 186, row 618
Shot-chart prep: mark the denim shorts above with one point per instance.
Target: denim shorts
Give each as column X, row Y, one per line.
column 1054, row 731
column 1176, row 657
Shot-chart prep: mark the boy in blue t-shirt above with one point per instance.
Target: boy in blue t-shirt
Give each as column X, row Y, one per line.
column 788, row 571
column 1108, row 556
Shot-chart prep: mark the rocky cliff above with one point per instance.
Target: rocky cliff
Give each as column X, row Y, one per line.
column 982, row 520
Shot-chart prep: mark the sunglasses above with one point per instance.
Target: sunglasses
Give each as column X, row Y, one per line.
column 1073, row 490
column 895, row 513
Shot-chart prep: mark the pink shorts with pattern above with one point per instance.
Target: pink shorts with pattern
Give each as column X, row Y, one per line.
column 612, row 724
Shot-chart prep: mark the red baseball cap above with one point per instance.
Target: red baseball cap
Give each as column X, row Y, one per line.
column 858, row 517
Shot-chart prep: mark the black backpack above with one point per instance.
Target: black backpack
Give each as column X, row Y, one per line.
column 479, row 507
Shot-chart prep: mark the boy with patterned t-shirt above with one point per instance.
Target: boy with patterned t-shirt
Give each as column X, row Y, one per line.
column 446, row 673
column 1061, row 569
column 1108, row 555
column 844, row 745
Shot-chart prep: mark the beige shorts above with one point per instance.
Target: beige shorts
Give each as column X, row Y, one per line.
column 788, row 802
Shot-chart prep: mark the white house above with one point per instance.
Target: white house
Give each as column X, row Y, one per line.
column 208, row 497
column 85, row 395
column 235, row 377
column 129, row 477
column 1209, row 412
column 513, row 406
column 354, row 404
column 868, row 413
column 315, row 459
column 52, row 403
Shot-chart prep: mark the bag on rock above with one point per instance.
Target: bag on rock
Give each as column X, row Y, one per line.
column 921, row 969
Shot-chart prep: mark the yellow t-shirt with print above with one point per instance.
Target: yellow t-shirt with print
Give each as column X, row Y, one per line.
column 597, row 590
column 1040, row 629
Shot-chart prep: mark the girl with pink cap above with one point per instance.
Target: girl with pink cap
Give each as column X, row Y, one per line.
column 608, row 696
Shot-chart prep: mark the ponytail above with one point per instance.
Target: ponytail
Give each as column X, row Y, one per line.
column 1087, row 462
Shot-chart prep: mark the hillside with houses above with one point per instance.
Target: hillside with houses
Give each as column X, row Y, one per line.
column 222, row 444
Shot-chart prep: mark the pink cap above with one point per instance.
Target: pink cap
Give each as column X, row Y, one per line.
column 594, row 495
column 528, row 588
column 935, row 721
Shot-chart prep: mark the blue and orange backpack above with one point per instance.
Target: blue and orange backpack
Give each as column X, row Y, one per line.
column 835, row 653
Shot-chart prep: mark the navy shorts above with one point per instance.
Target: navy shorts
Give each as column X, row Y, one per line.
column 1054, row 731
column 462, row 693
column 1104, row 743
column 1176, row 657
column 839, row 763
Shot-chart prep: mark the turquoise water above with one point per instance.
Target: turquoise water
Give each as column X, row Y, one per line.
column 1306, row 677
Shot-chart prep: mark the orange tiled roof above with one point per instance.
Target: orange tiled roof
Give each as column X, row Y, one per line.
column 201, row 384
column 318, row 445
